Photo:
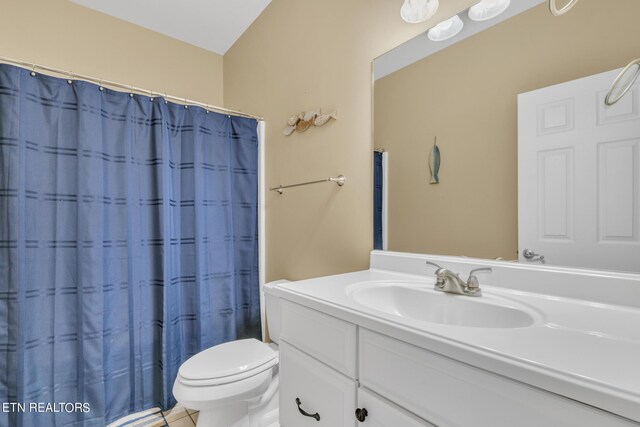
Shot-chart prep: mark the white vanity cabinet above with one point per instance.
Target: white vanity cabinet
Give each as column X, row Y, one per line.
column 450, row 393
column 327, row 397
column 382, row 413
column 331, row 367
column 318, row 359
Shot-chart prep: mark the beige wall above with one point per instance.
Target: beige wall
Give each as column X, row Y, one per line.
column 304, row 54
column 466, row 95
column 64, row 35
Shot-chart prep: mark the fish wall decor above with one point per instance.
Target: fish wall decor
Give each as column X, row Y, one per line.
column 434, row 162
column 303, row 121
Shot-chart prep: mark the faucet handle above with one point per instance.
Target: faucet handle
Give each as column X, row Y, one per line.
column 472, row 281
column 434, row 264
column 439, row 279
column 480, row 270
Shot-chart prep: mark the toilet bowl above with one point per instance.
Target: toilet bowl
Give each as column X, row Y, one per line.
column 235, row 384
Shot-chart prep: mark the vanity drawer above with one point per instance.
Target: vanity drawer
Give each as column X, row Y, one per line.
column 382, row 413
column 319, row 389
column 327, row 338
column 449, row 393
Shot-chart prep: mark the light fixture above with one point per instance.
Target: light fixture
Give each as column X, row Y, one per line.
column 446, row 29
column 623, row 83
column 487, row 9
column 415, row 11
column 557, row 11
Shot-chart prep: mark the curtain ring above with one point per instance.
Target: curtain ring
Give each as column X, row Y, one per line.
column 165, row 98
column 185, row 104
column 70, row 80
column 151, row 95
column 33, row 70
column 207, row 109
column 130, row 91
column 101, row 87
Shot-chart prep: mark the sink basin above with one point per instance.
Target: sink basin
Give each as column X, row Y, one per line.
column 422, row 303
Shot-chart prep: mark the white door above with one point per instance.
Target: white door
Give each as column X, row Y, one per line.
column 579, row 175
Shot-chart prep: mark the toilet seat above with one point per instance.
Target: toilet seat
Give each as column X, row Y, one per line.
column 227, row 363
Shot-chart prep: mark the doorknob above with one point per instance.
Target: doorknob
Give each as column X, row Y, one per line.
column 361, row 414
column 531, row 255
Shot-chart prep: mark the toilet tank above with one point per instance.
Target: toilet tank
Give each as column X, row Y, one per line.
column 272, row 307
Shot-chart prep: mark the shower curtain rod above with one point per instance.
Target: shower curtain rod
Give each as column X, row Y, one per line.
column 131, row 89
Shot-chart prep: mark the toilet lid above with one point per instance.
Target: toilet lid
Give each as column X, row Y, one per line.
column 231, row 359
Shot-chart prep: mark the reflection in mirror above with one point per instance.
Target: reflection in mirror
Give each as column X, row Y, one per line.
column 557, row 11
column 532, row 157
column 380, row 198
column 623, row 82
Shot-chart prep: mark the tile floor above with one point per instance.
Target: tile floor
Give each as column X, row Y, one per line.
column 176, row 417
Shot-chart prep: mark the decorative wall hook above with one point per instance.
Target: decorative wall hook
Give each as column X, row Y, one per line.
column 303, row 121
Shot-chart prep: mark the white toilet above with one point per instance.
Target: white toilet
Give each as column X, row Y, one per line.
column 235, row 384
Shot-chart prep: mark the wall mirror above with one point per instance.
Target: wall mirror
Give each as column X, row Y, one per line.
column 531, row 159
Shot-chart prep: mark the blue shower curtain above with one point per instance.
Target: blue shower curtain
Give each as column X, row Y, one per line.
column 128, row 242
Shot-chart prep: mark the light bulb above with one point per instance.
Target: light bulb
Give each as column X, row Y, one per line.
column 415, row 11
column 446, row 29
column 487, row 9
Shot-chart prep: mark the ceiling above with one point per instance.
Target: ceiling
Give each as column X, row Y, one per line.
column 214, row 25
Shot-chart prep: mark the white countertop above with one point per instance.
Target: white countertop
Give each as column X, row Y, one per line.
column 583, row 349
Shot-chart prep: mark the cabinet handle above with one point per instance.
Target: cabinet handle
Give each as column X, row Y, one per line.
column 305, row 413
column 361, row 414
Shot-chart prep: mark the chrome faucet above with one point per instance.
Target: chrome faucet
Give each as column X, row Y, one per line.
column 448, row 281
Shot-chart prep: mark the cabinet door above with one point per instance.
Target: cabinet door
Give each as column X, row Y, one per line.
column 381, row 413
column 449, row 393
column 319, row 389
